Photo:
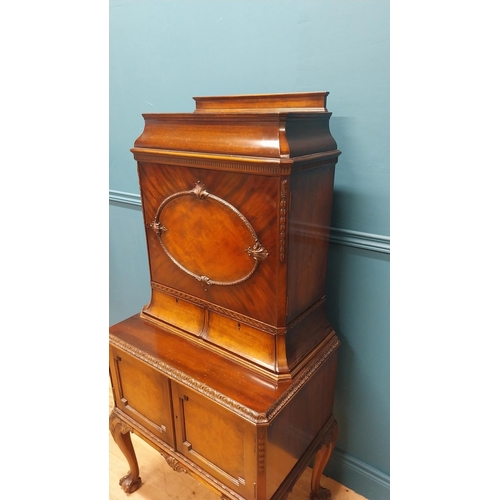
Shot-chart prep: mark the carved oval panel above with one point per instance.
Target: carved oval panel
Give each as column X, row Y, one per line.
column 207, row 237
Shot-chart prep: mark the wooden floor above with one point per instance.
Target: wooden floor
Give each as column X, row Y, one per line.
column 161, row 482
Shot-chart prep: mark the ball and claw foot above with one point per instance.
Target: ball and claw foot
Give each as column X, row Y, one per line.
column 321, row 494
column 128, row 484
column 120, row 431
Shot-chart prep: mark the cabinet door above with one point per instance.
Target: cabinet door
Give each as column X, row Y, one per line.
column 143, row 393
column 215, row 439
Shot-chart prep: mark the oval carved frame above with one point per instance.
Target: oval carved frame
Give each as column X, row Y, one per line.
column 257, row 251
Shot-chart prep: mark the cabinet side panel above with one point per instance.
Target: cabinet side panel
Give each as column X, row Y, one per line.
column 294, row 428
column 309, row 221
column 306, row 135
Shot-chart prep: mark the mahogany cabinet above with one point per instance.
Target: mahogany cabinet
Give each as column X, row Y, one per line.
column 230, row 369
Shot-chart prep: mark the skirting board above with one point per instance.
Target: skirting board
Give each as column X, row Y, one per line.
column 347, row 237
column 358, row 476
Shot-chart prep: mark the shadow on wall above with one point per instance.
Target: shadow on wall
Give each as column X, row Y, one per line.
column 345, row 283
column 358, row 309
column 339, row 128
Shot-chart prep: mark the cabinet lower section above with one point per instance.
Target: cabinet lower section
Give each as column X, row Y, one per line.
column 240, row 435
column 321, row 448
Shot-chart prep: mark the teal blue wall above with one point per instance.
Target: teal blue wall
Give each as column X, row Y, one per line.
column 164, row 52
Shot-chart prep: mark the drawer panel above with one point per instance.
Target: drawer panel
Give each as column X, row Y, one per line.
column 244, row 340
column 177, row 312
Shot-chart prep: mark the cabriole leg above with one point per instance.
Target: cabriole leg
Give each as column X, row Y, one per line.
column 121, row 434
column 320, row 461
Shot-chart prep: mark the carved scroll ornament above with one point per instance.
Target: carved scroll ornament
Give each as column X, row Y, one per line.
column 174, row 463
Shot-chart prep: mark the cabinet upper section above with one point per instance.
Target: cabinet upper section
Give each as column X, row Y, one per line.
column 281, row 126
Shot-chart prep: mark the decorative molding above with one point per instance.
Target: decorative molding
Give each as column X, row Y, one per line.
column 212, row 394
column 316, row 160
column 366, row 241
column 116, row 423
column 174, row 463
column 125, row 198
column 190, row 382
column 261, row 448
column 273, row 168
column 338, row 236
column 177, row 293
column 283, row 210
column 255, row 165
column 241, row 318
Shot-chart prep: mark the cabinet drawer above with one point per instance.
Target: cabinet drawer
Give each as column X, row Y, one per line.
column 143, row 393
column 215, row 439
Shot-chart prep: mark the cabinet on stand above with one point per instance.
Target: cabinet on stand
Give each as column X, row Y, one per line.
column 229, row 371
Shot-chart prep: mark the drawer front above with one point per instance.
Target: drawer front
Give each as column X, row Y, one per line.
column 218, row 441
column 142, row 393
